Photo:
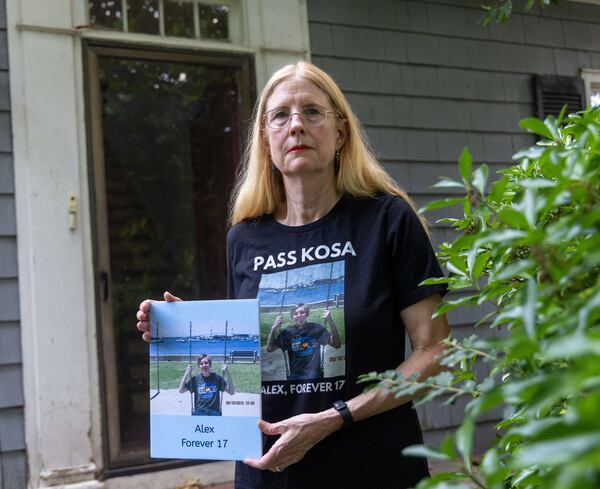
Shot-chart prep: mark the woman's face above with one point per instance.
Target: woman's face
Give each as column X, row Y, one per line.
column 204, row 366
column 300, row 315
column 298, row 149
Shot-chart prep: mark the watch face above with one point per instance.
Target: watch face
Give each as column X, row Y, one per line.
column 339, row 405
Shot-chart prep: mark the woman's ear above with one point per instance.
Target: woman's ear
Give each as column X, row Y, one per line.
column 342, row 132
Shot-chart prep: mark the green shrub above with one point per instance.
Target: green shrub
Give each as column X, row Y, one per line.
column 530, row 246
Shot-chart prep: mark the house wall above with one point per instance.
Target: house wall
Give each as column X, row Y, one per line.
column 12, row 438
column 426, row 79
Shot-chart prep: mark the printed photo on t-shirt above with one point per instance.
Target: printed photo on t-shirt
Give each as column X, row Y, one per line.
column 302, row 323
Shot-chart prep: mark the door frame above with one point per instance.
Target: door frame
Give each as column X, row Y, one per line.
column 116, row 461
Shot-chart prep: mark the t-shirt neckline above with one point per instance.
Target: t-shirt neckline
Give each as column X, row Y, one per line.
column 311, row 225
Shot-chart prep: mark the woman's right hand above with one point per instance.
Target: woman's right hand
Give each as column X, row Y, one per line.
column 278, row 321
column 143, row 314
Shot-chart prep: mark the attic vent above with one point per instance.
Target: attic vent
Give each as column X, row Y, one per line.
column 552, row 92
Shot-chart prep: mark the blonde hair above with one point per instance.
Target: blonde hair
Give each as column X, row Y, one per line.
column 258, row 190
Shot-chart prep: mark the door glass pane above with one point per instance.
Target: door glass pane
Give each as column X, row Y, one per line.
column 171, row 139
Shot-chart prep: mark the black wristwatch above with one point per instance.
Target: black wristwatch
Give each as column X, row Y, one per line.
column 340, row 407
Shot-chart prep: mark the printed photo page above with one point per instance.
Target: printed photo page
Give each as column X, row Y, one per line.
column 205, row 380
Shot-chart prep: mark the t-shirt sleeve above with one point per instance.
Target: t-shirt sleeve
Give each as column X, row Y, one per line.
column 412, row 257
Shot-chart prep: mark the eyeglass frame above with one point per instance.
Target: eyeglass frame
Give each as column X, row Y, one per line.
column 337, row 114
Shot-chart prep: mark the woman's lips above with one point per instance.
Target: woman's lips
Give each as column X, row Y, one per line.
column 300, row 147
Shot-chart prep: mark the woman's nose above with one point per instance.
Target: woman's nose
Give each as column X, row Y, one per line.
column 296, row 122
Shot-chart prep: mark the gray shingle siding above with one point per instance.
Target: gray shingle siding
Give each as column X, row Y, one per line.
column 13, row 473
column 428, row 72
column 10, row 342
column 5, row 133
column 7, row 180
column 426, row 79
column 13, row 470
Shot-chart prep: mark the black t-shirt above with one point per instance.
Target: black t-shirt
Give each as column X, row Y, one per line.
column 363, row 262
column 206, row 390
column 303, row 346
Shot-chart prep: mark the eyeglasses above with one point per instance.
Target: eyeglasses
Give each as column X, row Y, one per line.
column 312, row 116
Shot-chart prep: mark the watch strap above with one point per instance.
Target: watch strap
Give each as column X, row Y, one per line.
column 341, row 407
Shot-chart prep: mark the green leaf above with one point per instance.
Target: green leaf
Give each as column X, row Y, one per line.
column 521, row 267
column 552, row 124
column 466, row 208
column 458, row 262
column 557, row 451
column 448, row 306
column 447, row 446
column 529, row 204
column 464, row 440
column 435, row 281
column 471, row 257
column 480, row 177
column 537, row 183
column 490, row 465
column 480, row 264
column 464, row 165
column 454, row 269
column 513, row 218
column 424, row 451
column 575, row 345
column 437, row 204
column 591, row 304
column 526, row 477
column 501, row 236
column 448, row 183
column 485, row 402
column 536, row 126
column 529, row 309
column 497, row 190
column 529, row 428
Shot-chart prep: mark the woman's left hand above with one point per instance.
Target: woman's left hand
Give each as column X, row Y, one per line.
column 327, row 316
column 298, row 435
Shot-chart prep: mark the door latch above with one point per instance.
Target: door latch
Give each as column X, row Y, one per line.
column 72, row 210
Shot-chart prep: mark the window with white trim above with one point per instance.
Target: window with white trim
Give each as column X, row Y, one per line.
column 192, row 19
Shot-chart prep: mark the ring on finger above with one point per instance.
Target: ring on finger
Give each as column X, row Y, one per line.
column 277, row 468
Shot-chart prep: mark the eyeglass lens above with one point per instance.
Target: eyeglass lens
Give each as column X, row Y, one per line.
column 278, row 118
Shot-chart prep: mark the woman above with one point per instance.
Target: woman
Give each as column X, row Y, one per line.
column 309, row 181
column 206, row 387
column 302, row 342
